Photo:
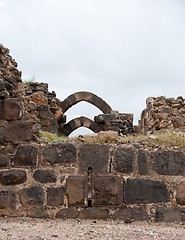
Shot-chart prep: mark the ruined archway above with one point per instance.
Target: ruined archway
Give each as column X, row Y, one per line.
column 85, row 96
column 72, row 125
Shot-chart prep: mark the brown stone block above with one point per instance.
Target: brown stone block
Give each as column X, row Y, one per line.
column 39, row 98
column 18, row 131
column 107, row 190
column 7, row 200
column 26, row 155
column 95, row 156
column 13, row 109
column 181, row 193
column 12, row 177
column 94, row 213
column 55, row 196
column 76, row 187
column 67, row 213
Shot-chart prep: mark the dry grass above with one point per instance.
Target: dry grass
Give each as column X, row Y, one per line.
column 162, row 138
column 52, row 138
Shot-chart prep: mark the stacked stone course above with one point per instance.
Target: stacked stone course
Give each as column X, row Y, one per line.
column 54, row 180
column 80, row 180
column 163, row 113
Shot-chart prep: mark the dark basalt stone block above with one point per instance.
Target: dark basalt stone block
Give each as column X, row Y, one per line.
column 45, row 176
column 32, row 197
column 12, row 177
column 95, row 156
column 145, row 191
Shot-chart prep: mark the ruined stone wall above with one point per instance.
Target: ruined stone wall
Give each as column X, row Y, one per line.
column 10, row 77
column 43, row 107
column 25, row 108
column 163, row 113
column 15, row 124
column 71, row 180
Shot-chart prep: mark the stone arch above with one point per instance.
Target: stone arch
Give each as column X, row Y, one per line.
column 85, row 96
column 72, row 125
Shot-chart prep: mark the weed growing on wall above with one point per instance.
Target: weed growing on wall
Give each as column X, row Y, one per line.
column 52, row 138
column 163, row 139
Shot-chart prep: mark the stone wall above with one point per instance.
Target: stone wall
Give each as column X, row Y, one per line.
column 10, row 77
column 70, row 180
column 15, row 124
column 163, row 113
column 43, row 107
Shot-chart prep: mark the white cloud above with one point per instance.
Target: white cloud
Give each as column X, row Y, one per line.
column 2, row 3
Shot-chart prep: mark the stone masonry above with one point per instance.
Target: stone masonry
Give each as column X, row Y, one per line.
column 72, row 180
column 163, row 113
column 83, row 180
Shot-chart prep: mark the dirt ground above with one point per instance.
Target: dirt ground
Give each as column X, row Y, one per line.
column 46, row 229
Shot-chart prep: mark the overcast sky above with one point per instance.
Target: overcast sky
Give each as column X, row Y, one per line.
column 121, row 50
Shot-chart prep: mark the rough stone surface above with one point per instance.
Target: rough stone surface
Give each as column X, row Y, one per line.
column 9, row 74
column 67, row 213
column 131, row 214
column 107, row 190
column 39, row 98
column 163, row 113
column 181, row 193
column 169, row 162
column 60, row 153
column 13, row 109
column 37, row 212
column 76, row 187
column 2, row 110
column 13, row 177
column 142, row 162
column 2, row 136
column 124, row 159
column 94, row 213
column 169, row 214
column 26, row 155
column 32, row 197
column 93, row 156
column 45, row 176
column 119, row 122
column 7, row 200
column 4, row 160
column 145, row 191
column 55, row 196
column 18, row 131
